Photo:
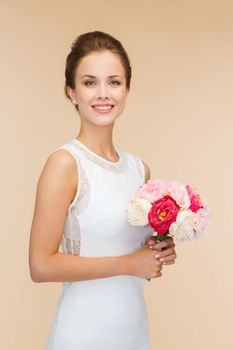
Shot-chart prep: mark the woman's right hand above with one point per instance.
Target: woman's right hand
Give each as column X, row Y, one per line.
column 144, row 263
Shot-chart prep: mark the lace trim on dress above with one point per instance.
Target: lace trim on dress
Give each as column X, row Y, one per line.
column 82, row 196
column 71, row 246
column 117, row 167
column 71, row 238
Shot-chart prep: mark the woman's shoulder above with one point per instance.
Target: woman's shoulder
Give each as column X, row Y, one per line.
column 63, row 155
column 60, row 164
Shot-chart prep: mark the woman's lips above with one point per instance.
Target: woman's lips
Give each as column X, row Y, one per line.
column 103, row 110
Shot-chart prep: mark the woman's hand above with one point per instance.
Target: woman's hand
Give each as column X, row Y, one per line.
column 144, row 264
column 164, row 249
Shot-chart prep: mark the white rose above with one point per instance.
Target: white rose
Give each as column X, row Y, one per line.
column 137, row 212
column 183, row 228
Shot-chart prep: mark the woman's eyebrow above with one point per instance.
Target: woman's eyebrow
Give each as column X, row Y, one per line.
column 92, row 76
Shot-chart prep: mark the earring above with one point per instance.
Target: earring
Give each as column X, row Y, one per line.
column 74, row 102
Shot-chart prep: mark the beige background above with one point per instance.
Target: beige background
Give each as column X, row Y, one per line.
column 178, row 119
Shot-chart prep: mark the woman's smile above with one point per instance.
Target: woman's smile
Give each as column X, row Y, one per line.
column 103, row 108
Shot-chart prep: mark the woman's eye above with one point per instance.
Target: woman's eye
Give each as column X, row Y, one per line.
column 116, row 81
column 87, row 82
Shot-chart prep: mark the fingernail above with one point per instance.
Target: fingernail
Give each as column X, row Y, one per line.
column 157, row 255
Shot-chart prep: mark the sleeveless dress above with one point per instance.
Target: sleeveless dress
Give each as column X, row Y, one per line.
column 105, row 313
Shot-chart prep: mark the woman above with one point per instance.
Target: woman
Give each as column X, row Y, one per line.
column 80, row 204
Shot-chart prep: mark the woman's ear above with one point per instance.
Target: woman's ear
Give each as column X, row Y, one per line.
column 71, row 94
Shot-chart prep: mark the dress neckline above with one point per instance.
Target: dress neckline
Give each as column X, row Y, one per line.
column 118, row 167
column 97, row 155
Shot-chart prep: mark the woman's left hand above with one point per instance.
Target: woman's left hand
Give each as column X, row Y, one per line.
column 168, row 255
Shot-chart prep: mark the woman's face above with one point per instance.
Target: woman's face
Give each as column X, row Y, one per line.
column 105, row 85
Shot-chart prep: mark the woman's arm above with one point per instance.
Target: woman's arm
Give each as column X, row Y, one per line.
column 147, row 171
column 55, row 191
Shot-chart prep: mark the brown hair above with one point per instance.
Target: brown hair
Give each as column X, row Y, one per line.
column 90, row 42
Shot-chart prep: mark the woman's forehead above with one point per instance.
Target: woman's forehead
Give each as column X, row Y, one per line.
column 100, row 63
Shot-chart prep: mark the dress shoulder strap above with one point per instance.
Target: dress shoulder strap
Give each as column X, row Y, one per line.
column 82, row 194
column 140, row 167
column 137, row 164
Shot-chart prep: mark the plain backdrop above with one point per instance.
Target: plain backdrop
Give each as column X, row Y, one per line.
column 178, row 119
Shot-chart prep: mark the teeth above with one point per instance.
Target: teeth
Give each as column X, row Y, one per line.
column 103, row 107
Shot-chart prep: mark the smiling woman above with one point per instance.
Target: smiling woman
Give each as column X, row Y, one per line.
column 99, row 90
column 95, row 43
column 80, row 205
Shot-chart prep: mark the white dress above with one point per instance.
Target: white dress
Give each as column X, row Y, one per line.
column 104, row 313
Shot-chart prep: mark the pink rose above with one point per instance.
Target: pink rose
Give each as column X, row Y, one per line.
column 178, row 192
column 195, row 200
column 203, row 219
column 154, row 189
column 163, row 213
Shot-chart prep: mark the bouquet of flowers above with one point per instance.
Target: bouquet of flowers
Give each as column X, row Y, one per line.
column 171, row 208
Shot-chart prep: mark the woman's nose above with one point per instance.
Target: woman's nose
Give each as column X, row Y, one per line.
column 103, row 91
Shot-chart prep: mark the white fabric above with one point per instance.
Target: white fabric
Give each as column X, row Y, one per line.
column 104, row 313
